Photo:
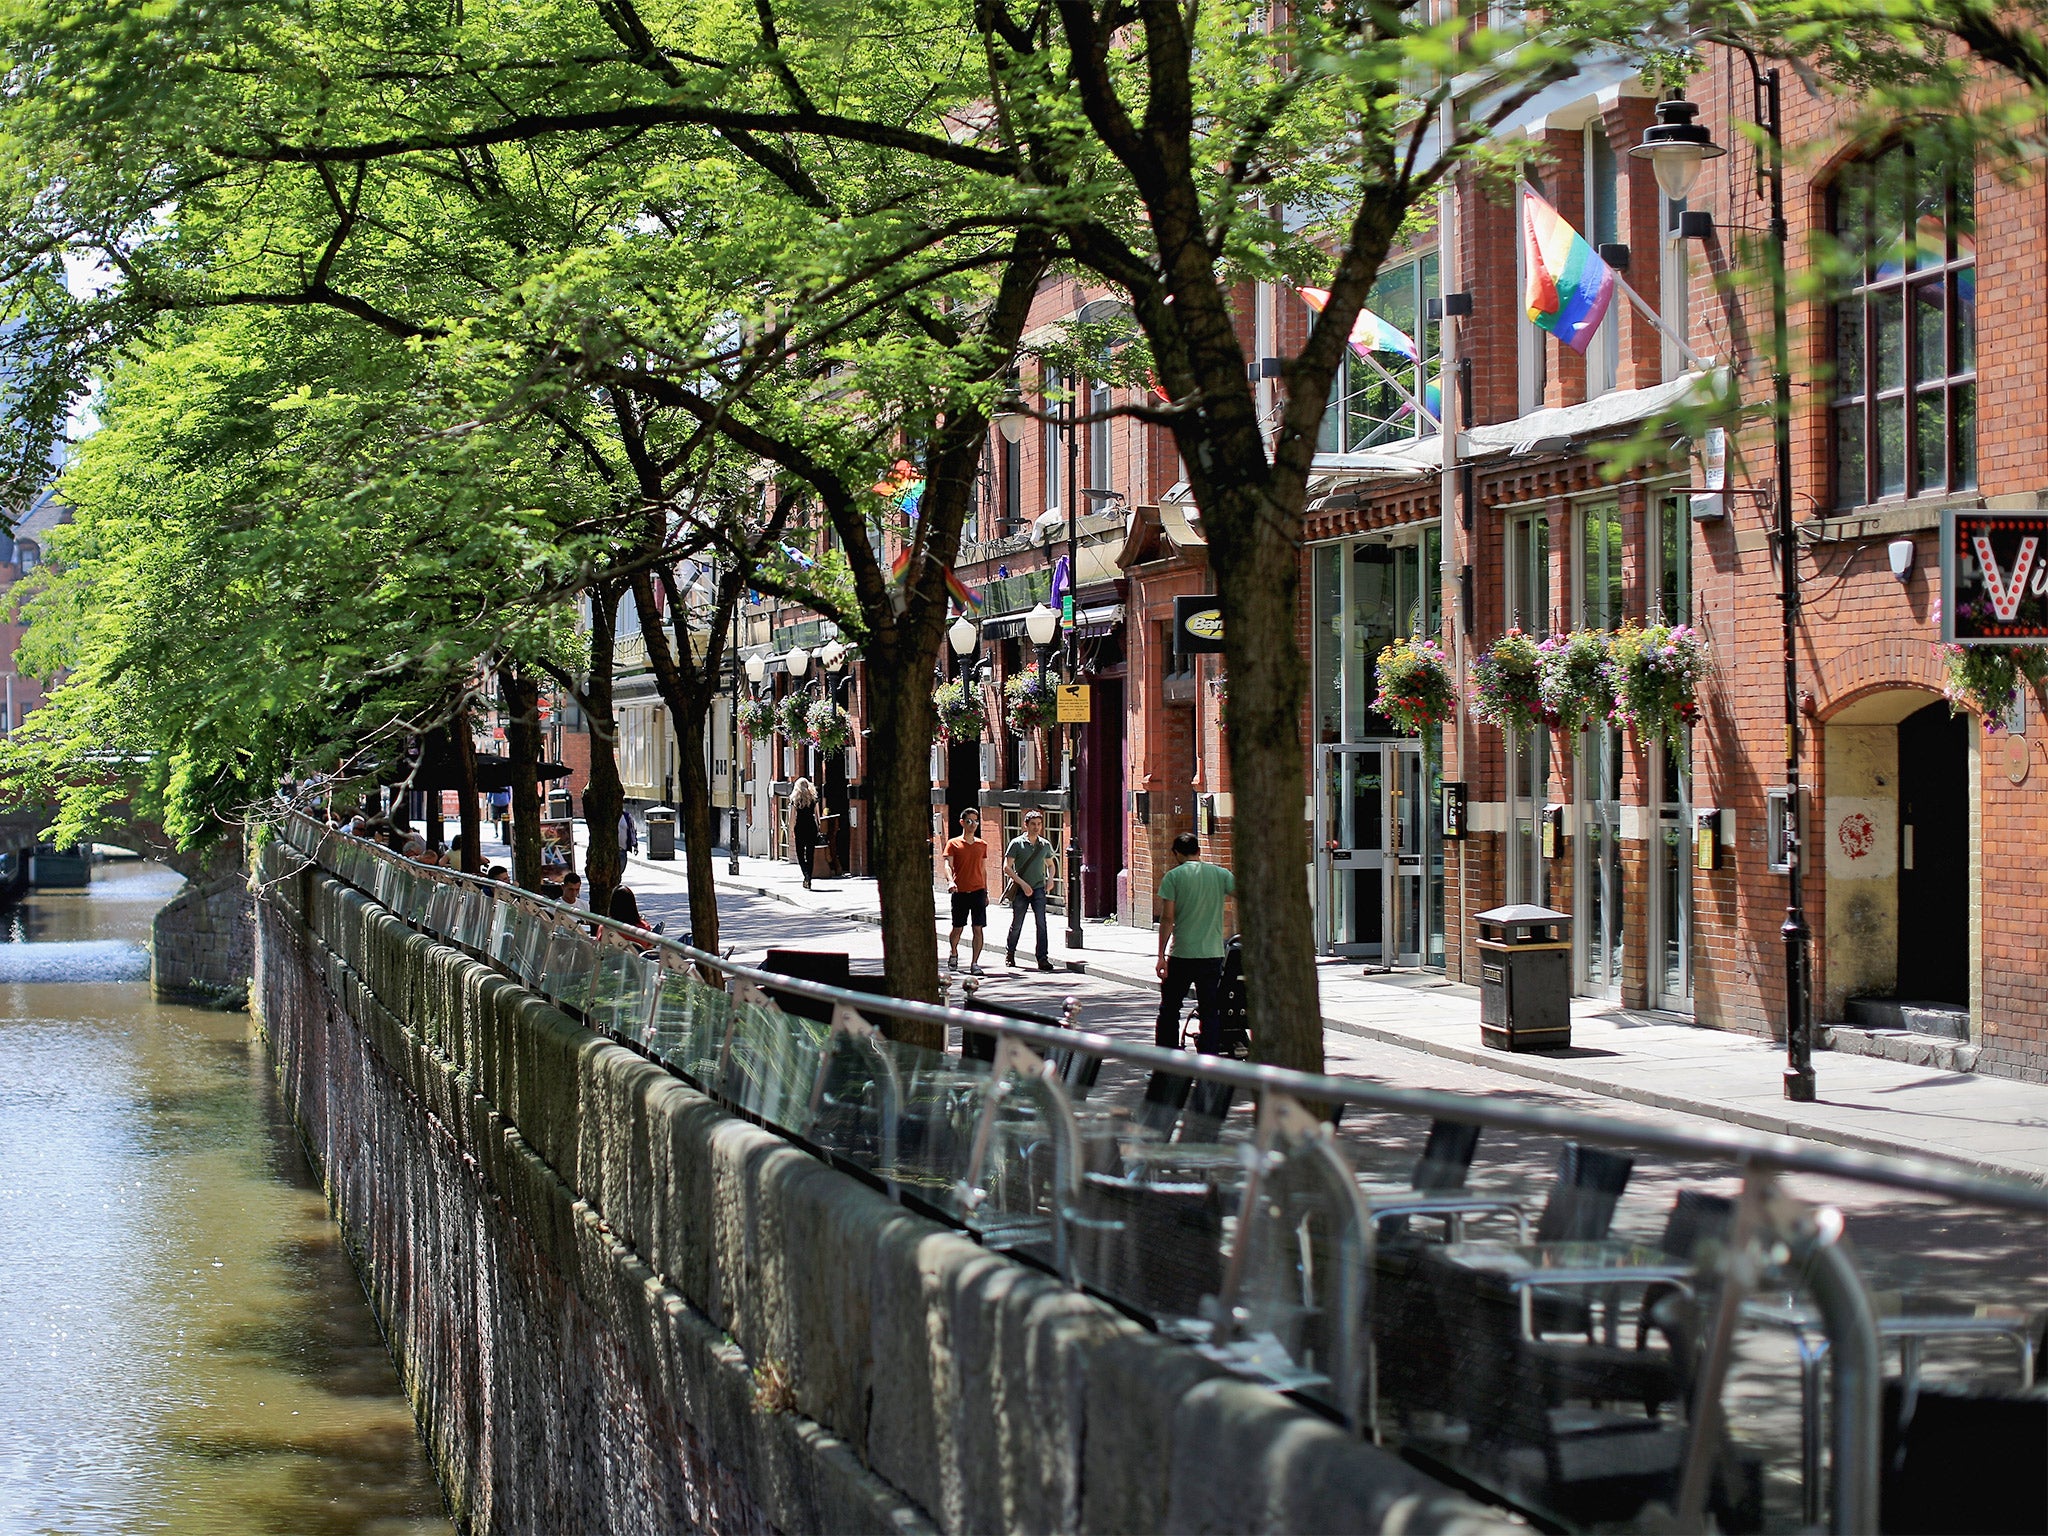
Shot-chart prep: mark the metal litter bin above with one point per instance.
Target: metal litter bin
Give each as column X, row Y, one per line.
column 558, row 806
column 661, row 832
column 1525, row 979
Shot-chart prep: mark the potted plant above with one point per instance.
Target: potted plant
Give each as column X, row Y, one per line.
column 1417, row 691
column 1030, row 701
column 1657, row 673
column 757, row 718
column 1507, row 678
column 961, row 716
column 1576, row 687
column 828, row 726
column 793, row 715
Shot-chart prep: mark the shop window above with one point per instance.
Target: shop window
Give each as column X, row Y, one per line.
column 1905, row 328
column 1674, row 559
column 1366, row 409
column 1603, row 227
column 1600, row 574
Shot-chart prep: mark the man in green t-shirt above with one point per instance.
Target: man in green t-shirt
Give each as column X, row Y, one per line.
column 1191, row 942
column 1027, row 870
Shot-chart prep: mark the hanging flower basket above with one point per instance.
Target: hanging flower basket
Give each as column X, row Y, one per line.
column 1417, row 691
column 961, row 716
column 1507, row 681
column 1657, row 674
column 757, row 719
column 828, row 726
column 1577, row 690
column 793, row 716
column 1030, row 702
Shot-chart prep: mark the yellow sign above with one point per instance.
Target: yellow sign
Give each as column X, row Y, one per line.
column 1073, row 705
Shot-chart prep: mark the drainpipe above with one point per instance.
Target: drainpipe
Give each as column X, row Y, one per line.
column 1451, row 406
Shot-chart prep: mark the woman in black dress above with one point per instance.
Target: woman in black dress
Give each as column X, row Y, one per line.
column 803, row 810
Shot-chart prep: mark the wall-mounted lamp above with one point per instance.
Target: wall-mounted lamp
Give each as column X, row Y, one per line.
column 1452, row 306
column 1615, row 254
column 1901, row 551
column 1695, row 224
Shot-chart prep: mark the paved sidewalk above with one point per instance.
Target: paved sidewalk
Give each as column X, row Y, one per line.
column 1655, row 1060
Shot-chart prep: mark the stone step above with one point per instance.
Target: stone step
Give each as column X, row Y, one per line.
column 1899, row 1045
column 1944, row 1021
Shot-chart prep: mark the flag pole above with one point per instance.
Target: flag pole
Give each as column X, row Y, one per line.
column 1399, row 388
column 1663, row 327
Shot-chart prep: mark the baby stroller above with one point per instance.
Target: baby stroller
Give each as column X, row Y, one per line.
column 1233, row 1020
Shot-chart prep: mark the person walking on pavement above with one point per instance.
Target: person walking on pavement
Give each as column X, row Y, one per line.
column 1027, row 863
column 629, row 834
column 967, row 881
column 1191, row 943
column 803, row 814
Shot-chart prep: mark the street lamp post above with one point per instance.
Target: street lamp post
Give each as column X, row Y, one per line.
column 1678, row 147
column 757, row 673
column 1070, row 603
column 732, row 766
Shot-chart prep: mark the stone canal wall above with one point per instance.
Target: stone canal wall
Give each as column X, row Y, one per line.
column 618, row 1309
column 202, row 944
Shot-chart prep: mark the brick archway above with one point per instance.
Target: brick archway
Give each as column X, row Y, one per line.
column 1873, row 667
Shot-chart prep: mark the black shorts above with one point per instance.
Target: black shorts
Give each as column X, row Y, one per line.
column 970, row 904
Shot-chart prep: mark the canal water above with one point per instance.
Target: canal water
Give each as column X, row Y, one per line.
column 183, row 1345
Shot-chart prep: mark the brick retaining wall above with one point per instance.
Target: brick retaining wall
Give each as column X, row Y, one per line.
column 202, row 944
column 617, row 1308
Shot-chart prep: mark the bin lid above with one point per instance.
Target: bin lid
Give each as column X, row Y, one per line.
column 665, row 812
column 1524, row 912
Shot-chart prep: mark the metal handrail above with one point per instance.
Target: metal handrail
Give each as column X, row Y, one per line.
column 1768, row 1223
column 1782, row 1154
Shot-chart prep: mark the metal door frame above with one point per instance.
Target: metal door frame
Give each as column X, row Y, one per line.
column 1393, row 861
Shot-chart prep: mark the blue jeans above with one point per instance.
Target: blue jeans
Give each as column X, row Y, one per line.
column 1019, row 905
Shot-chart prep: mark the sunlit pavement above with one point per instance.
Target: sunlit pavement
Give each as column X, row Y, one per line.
column 1415, row 1029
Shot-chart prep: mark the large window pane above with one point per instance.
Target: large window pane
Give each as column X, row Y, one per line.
column 1930, row 359
column 1888, row 338
column 1930, row 211
column 1888, row 213
column 1329, row 643
column 1849, row 462
column 1849, row 349
column 1930, row 446
column 1962, row 309
column 1963, row 428
column 1891, row 447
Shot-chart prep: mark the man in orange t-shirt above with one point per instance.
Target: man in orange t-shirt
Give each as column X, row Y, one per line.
column 967, row 880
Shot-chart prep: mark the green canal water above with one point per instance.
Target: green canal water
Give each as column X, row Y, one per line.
column 183, row 1345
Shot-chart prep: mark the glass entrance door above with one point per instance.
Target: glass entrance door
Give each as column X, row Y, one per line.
column 1351, row 851
column 1378, row 857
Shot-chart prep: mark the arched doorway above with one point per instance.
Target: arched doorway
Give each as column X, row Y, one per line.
column 1895, row 849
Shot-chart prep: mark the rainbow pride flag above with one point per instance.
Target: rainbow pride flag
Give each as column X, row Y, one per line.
column 903, row 485
column 968, row 599
column 1570, row 287
column 1369, row 333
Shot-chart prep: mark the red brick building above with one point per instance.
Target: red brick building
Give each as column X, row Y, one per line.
column 1921, row 881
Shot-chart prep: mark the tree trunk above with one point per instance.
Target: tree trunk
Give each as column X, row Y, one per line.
column 522, row 746
column 604, row 799
column 693, row 803
column 470, row 835
column 901, row 721
column 1258, row 580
